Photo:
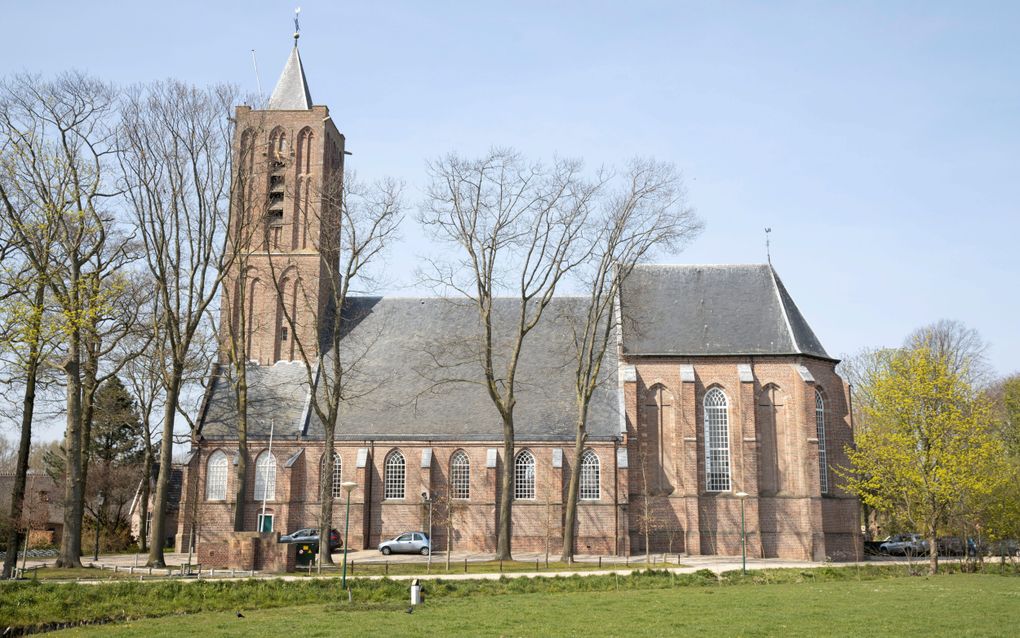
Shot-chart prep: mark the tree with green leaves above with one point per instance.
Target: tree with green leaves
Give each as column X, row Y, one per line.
column 929, row 449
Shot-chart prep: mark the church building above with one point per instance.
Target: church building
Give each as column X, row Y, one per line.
column 718, row 396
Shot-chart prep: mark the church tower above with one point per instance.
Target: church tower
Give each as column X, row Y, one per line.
column 283, row 248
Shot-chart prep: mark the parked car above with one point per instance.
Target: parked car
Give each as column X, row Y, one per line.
column 408, row 543
column 1008, row 547
column 956, row 546
column 904, row 545
column 310, row 535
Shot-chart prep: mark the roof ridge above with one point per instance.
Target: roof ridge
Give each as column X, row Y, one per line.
column 786, row 311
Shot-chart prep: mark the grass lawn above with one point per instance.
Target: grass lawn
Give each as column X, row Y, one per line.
column 378, row 567
column 949, row 605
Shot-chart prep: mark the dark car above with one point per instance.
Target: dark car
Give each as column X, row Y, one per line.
column 408, row 543
column 310, row 535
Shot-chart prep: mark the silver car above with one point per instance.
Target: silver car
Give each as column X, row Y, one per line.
column 409, row 543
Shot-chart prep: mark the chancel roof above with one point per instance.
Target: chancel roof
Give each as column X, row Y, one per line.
column 712, row 310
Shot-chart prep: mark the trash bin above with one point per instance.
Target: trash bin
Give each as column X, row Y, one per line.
column 306, row 555
column 415, row 592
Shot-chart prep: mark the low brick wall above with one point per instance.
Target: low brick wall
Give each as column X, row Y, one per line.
column 245, row 551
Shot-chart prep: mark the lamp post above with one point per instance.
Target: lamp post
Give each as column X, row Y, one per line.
column 428, row 499
column 99, row 507
column 743, row 534
column 348, row 486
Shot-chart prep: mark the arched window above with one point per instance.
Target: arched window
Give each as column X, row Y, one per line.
column 265, row 477
column 460, row 475
column 717, row 442
column 393, row 476
column 216, row 477
column 589, row 488
column 823, row 464
column 524, row 475
column 336, row 474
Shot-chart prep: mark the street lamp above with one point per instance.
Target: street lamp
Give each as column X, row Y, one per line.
column 348, row 486
column 428, row 499
column 743, row 534
column 99, row 507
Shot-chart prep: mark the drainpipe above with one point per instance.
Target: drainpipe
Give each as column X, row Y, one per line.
column 616, row 497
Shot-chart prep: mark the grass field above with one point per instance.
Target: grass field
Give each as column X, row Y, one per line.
column 950, row 605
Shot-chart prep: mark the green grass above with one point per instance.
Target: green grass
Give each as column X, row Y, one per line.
column 949, row 605
column 40, row 605
column 380, row 568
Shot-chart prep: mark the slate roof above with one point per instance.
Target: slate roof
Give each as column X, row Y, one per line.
column 418, row 378
column 712, row 310
column 291, row 92
column 418, row 375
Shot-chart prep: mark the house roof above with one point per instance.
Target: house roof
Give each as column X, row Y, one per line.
column 712, row 310
column 291, row 92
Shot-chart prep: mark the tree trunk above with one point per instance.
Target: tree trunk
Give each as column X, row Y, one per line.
column 570, row 518
column 503, row 549
column 143, row 527
column 14, row 537
column 933, row 549
column 70, row 540
column 159, row 506
column 326, row 493
column 241, row 392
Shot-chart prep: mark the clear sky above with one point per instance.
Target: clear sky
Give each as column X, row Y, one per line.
column 878, row 140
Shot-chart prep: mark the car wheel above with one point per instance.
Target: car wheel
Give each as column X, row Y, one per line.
column 424, row 551
column 385, row 551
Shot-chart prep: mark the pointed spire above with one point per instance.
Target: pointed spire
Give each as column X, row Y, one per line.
column 291, row 92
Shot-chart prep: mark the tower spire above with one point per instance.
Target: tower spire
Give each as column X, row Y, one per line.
column 291, row 92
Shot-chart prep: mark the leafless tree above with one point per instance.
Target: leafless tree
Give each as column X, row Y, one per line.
column 518, row 228
column 963, row 347
column 176, row 164
column 643, row 213
column 366, row 218
column 59, row 140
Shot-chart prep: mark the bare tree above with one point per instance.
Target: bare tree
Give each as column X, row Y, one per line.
column 59, row 139
column 176, row 164
column 963, row 348
column 646, row 213
column 518, row 227
column 365, row 217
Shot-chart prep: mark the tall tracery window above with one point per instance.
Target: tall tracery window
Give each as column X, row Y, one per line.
column 590, row 476
column 216, row 477
column 460, row 475
column 336, row 474
column 265, row 477
column 823, row 462
column 717, row 442
column 524, row 475
column 393, row 475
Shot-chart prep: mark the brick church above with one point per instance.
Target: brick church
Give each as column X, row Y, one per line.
column 717, row 390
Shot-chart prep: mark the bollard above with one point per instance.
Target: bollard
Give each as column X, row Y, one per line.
column 536, row 565
column 465, row 565
column 352, row 568
column 600, row 562
column 387, row 567
column 500, row 565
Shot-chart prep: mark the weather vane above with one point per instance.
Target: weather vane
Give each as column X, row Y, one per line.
column 297, row 27
column 768, row 253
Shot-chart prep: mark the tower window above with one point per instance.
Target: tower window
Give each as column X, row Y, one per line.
column 283, row 333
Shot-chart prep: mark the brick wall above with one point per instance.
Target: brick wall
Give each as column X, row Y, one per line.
column 772, row 442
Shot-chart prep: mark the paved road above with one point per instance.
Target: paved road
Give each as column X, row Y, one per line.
column 612, row 564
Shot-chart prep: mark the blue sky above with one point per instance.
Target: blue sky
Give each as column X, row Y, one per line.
column 878, row 140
